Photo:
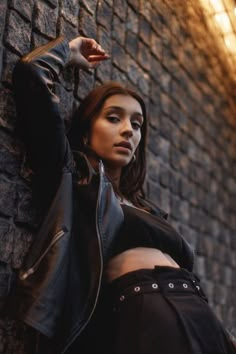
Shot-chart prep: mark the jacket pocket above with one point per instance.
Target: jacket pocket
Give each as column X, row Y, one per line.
column 26, row 273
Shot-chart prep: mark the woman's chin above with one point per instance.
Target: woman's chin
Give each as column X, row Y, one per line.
column 117, row 163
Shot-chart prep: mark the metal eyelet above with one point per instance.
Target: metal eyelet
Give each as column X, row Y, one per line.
column 122, row 298
column 137, row 289
column 185, row 285
column 171, row 285
column 154, row 286
column 198, row 287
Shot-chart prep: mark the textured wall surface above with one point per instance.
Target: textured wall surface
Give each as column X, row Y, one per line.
column 166, row 50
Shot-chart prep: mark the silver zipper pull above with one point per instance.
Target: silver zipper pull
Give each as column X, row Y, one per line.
column 26, row 274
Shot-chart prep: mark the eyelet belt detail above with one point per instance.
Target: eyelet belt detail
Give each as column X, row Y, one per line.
column 173, row 286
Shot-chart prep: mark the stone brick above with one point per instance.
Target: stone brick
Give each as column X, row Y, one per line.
column 118, row 75
column 132, row 21
column 146, row 9
column 132, row 44
column 3, row 10
column 144, row 83
column 200, row 266
column 120, row 9
column 153, row 167
column 165, row 103
column 144, row 30
column 89, row 5
column 165, row 81
column 9, row 163
column 179, row 209
column 8, row 195
column 70, row 11
column 175, row 158
column 9, row 61
column 152, row 141
column 164, row 176
column 103, row 72
column 156, row 21
column 119, row 56
column 154, row 114
column 174, row 182
column 38, row 40
column 154, row 192
column 163, row 146
column 165, row 200
column 144, row 56
column 18, row 33
column 132, row 70
column 45, row 20
column 104, row 15
column 156, row 45
column 67, row 29
column 26, row 212
column 7, row 110
column 7, row 239
column 118, row 30
column 105, row 40
column 87, row 25
column 23, row 238
column 194, row 217
column 25, row 8
column 134, row 4
column 52, row 3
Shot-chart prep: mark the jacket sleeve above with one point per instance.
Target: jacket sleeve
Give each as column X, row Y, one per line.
column 37, row 105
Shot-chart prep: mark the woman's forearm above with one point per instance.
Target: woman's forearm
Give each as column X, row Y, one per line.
column 38, row 106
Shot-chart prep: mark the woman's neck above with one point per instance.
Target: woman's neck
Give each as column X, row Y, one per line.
column 114, row 175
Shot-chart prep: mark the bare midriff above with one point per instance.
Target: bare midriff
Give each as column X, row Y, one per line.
column 137, row 258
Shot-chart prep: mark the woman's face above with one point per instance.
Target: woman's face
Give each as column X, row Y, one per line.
column 116, row 131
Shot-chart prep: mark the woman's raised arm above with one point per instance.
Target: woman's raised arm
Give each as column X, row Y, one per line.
column 37, row 104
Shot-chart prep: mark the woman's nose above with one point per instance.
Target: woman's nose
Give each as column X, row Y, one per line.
column 127, row 128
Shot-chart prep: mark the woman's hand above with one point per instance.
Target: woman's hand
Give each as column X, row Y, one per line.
column 86, row 53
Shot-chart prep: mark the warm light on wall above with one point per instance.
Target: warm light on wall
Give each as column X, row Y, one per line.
column 217, row 5
column 223, row 14
column 223, row 21
column 230, row 41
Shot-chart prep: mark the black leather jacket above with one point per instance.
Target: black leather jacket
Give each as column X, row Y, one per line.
column 59, row 283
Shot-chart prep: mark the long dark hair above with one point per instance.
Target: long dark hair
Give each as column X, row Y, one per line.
column 133, row 175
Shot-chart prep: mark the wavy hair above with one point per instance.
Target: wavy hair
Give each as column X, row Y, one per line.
column 132, row 175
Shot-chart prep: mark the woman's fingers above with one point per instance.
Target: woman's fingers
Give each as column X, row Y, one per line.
column 97, row 58
column 91, row 47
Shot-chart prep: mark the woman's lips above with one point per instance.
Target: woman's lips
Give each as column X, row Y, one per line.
column 124, row 144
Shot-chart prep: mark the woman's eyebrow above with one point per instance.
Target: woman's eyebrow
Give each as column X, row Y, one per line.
column 122, row 110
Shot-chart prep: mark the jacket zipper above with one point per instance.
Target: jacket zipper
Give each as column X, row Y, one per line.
column 32, row 269
column 101, row 170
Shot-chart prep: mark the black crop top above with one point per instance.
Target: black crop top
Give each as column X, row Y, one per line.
column 142, row 229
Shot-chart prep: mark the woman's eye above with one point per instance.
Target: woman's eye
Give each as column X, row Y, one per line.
column 136, row 125
column 113, row 119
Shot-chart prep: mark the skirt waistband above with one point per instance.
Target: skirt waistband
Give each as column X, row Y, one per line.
column 164, row 279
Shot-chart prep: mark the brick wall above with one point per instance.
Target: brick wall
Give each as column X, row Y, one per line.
column 167, row 51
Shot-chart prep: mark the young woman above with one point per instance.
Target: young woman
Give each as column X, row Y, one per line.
column 106, row 271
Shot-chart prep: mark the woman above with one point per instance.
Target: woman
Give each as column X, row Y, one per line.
column 106, row 270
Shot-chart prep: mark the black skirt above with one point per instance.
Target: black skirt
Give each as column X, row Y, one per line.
column 155, row 311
